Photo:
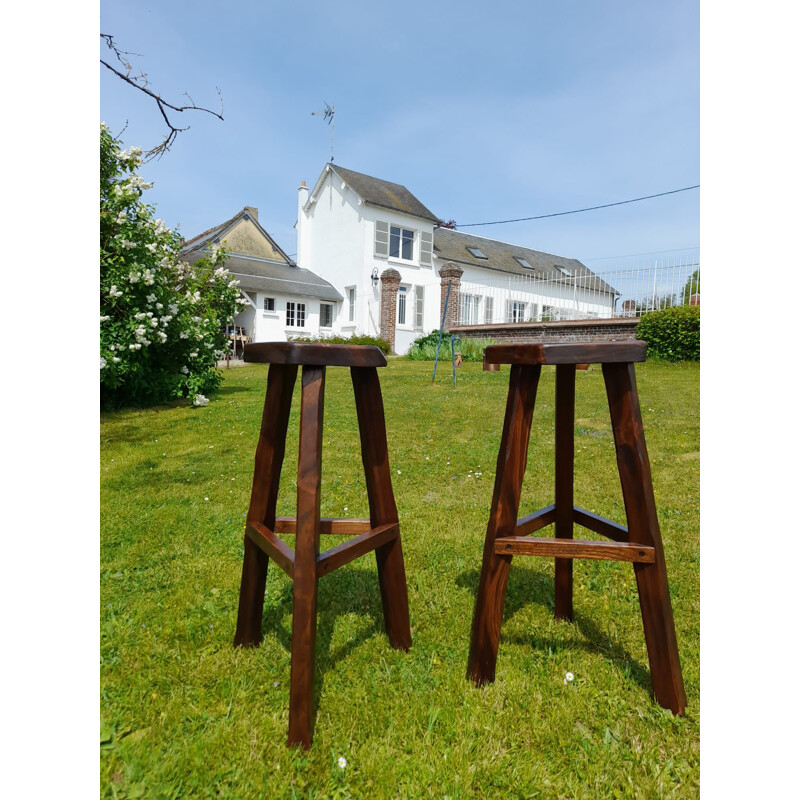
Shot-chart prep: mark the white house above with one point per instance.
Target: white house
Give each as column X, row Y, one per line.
column 384, row 250
column 285, row 300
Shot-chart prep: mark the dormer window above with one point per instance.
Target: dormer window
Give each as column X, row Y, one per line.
column 477, row 253
column 522, row 262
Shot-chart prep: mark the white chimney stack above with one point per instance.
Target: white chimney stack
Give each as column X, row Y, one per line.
column 302, row 226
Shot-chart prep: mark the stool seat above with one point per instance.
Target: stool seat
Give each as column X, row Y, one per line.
column 638, row 542
column 566, row 353
column 315, row 354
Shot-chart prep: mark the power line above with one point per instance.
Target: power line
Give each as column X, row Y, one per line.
column 579, row 210
column 648, row 253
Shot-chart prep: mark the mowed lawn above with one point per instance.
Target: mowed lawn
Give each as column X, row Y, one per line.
column 184, row 714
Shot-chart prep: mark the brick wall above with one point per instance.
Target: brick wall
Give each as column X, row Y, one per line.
column 593, row 330
column 450, row 273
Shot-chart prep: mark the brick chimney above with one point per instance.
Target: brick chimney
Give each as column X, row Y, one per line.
column 450, row 273
column 390, row 283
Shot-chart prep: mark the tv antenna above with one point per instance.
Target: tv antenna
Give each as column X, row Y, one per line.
column 327, row 116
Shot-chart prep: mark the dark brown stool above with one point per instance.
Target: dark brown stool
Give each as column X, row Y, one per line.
column 639, row 543
column 306, row 565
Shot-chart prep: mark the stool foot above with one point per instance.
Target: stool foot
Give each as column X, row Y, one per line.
column 304, row 634
column 251, row 596
column 564, row 488
column 394, row 594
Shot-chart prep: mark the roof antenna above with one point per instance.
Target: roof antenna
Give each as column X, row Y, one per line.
column 327, row 115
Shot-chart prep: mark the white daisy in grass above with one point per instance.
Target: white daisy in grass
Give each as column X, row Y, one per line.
column 342, row 762
column 569, row 677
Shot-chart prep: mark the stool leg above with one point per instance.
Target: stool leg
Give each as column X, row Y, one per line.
column 382, row 507
column 640, row 509
column 263, row 499
column 565, row 471
column 511, row 461
column 304, row 611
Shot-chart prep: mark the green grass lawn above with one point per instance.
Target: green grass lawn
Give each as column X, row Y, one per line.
column 184, row 714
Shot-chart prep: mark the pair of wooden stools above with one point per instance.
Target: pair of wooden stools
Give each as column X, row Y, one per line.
column 506, row 536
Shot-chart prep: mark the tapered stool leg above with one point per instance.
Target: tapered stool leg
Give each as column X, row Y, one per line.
column 263, row 499
column 382, row 507
column 564, row 490
column 643, row 528
column 304, row 611
column 511, row 462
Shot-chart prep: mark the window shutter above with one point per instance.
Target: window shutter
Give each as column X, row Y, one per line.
column 489, row 310
column 508, row 311
column 426, row 249
column 382, row 239
column 419, row 306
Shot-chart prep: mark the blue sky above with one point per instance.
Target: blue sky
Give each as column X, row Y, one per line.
column 484, row 111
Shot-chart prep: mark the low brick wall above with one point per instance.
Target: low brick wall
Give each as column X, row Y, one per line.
column 593, row 330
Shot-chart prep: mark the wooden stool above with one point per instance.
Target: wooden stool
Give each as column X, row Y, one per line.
column 306, row 565
column 639, row 543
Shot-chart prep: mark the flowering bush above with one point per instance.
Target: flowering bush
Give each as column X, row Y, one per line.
column 672, row 334
column 161, row 320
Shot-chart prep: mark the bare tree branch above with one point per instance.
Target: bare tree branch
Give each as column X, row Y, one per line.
column 141, row 83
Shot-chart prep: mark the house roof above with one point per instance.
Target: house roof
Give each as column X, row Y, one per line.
column 260, row 274
column 383, row 194
column 451, row 245
column 217, row 233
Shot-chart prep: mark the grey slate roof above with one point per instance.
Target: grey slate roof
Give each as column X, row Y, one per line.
column 260, row 275
column 451, row 245
column 385, row 194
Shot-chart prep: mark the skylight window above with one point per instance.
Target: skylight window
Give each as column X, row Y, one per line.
column 522, row 262
column 477, row 252
column 563, row 270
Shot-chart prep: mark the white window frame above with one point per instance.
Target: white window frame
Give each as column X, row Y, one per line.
column 402, row 292
column 351, row 304
column 414, row 237
column 295, row 314
column 515, row 310
column 329, row 306
column 266, row 303
column 488, row 310
column 471, row 304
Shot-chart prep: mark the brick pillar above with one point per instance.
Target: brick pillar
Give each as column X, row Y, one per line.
column 390, row 283
column 452, row 274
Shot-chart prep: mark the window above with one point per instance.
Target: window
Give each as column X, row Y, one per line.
column 419, row 307
column 471, row 309
column 295, row 315
column 325, row 315
column 351, row 304
column 488, row 310
column 549, row 313
column 515, row 311
column 401, row 305
column 563, row 270
column 401, row 243
column 477, row 252
column 269, row 304
column 522, row 262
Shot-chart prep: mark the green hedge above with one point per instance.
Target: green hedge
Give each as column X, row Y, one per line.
column 672, row 334
column 424, row 348
column 375, row 341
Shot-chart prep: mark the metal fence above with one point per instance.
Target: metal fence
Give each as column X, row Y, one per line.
column 604, row 294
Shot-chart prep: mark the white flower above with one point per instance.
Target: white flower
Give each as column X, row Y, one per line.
column 200, row 400
column 114, row 292
column 151, row 298
column 185, row 369
column 399, row 472
column 102, row 363
column 104, row 317
column 193, row 354
column 116, row 360
column 342, row 762
column 569, row 677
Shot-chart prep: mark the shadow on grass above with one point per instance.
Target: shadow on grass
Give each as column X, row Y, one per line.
column 526, row 587
column 342, row 592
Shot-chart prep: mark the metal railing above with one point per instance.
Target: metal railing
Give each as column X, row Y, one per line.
column 604, row 294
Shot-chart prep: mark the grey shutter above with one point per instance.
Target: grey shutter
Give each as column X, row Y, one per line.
column 419, row 307
column 488, row 313
column 382, row 239
column 426, row 249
